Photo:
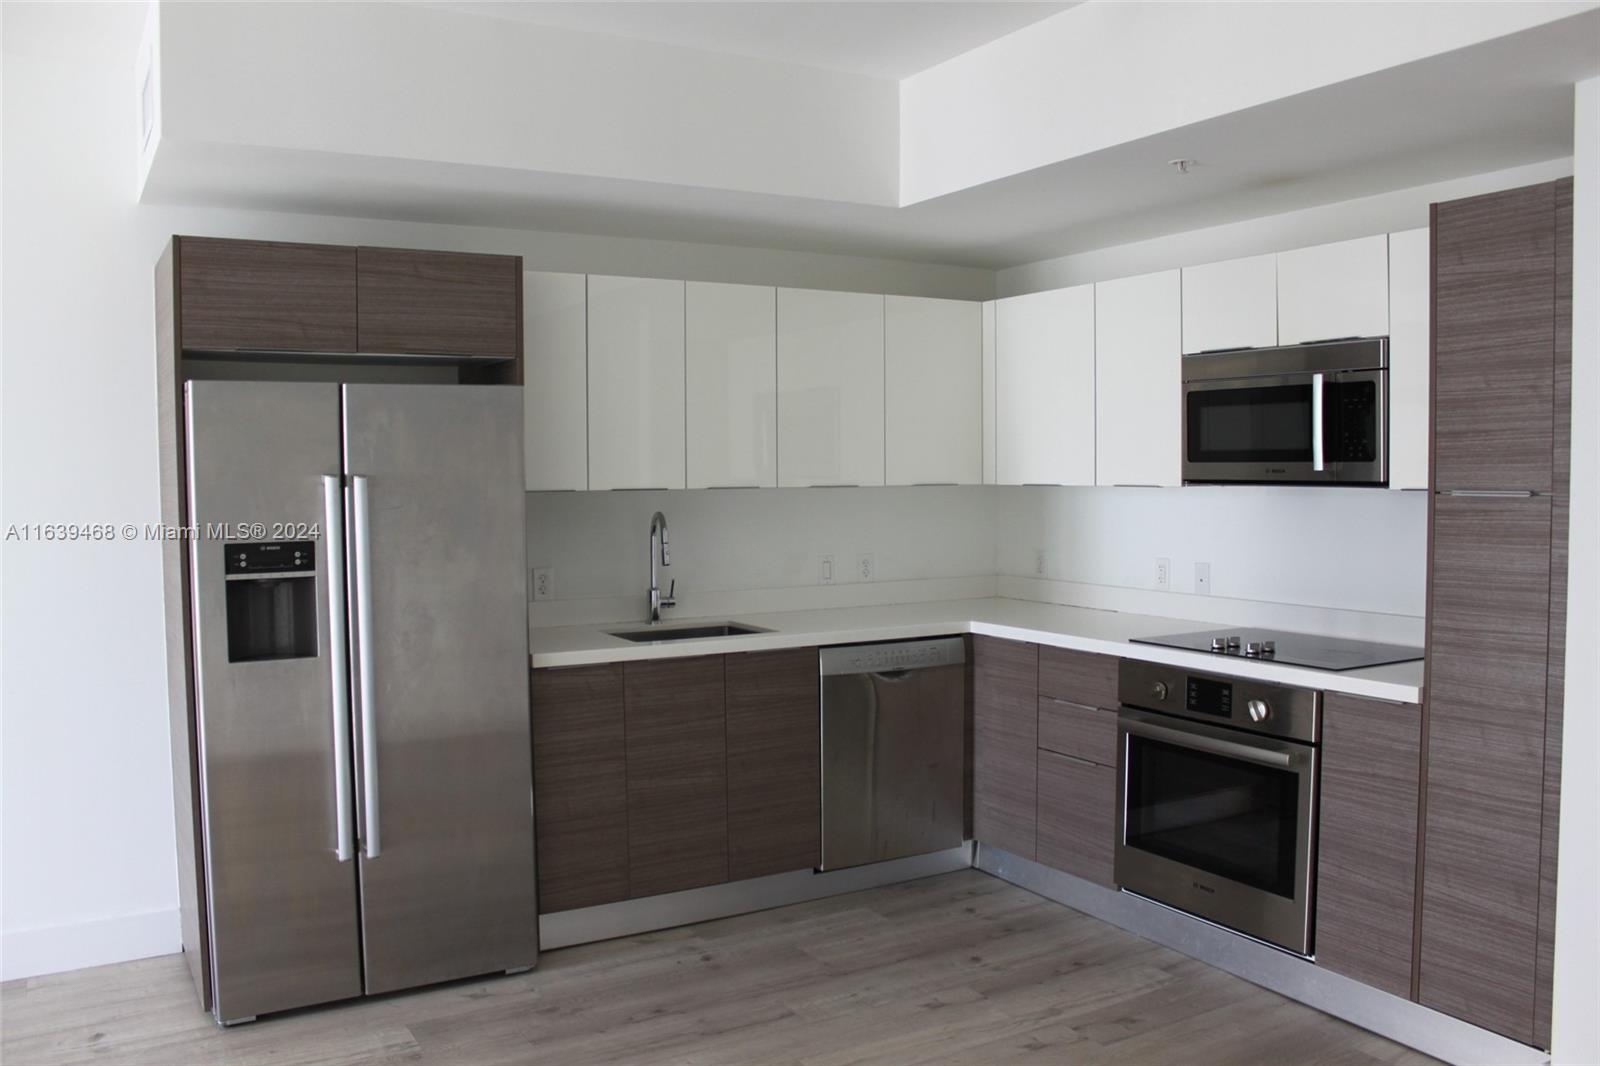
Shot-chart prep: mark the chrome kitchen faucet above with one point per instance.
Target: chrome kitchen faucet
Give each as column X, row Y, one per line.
column 658, row 521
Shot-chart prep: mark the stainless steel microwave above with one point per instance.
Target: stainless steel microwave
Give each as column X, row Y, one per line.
column 1309, row 414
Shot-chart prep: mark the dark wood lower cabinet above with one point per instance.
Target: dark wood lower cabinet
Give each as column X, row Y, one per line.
column 774, row 775
column 1366, row 892
column 580, row 791
column 1005, row 744
column 677, row 765
column 1077, row 816
column 1487, row 678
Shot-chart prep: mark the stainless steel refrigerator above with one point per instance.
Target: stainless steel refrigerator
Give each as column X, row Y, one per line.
column 360, row 641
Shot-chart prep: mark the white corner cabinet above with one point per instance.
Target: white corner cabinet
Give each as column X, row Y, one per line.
column 830, row 388
column 1044, row 388
column 1138, row 380
column 933, row 391
column 555, row 371
column 1410, row 357
column 1329, row 291
column 636, row 376
column 731, row 388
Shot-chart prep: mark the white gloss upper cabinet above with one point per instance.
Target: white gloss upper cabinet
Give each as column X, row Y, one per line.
column 636, row 400
column 1232, row 304
column 830, row 388
column 1044, row 388
column 990, row 364
column 1336, row 290
column 555, row 382
column 731, row 361
column 933, row 391
column 1409, row 358
column 1138, row 380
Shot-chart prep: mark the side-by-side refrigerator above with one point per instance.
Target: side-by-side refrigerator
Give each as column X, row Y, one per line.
column 360, row 641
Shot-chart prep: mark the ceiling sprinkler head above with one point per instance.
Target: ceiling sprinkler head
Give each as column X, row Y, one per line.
column 1183, row 165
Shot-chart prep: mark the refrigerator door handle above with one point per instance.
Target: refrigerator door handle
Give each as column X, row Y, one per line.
column 1318, row 462
column 360, row 551
column 338, row 668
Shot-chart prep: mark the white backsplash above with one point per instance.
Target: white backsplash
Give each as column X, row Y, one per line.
column 742, row 550
column 1347, row 561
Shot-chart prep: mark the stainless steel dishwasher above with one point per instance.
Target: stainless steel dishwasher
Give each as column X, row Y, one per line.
column 893, row 750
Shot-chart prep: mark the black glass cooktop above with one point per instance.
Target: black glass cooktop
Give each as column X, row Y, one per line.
column 1291, row 649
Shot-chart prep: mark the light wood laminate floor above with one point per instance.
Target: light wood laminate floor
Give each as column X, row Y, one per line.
column 962, row 968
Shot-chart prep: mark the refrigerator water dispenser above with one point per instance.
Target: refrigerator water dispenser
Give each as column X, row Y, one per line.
column 272, row 600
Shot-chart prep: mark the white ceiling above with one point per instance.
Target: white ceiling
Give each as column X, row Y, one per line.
column 879, row 40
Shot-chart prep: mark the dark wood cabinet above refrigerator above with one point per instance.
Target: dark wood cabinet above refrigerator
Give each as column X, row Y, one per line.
column 317, row 302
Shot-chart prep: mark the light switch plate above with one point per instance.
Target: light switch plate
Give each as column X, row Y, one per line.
column 824, row 569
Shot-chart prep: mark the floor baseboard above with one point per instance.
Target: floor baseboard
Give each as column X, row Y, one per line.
column 55, row 948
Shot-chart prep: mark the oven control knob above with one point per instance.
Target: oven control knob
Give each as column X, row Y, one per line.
column 1259, row 711
column 1159, row 690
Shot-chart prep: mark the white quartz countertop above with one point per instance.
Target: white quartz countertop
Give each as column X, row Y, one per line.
column 1079, row 628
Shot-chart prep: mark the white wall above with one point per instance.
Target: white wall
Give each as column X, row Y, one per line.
column 1069, row 85
column 89, row 871
column 1575, row 1022
column 742, row 550
column 505, row 93
column 1389, row 212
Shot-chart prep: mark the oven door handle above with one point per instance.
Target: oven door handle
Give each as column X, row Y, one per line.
column 1233, row 749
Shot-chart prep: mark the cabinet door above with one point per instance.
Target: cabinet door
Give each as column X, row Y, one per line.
column 1138, row 357
column 677, row 775
column 555, row 381
column 1044, row 395
column 731, row 366
column 1494, row 352
column 1410, row 357
column 1366, row 892
column 1005, row 743
column 1233, row 304
column 830, row 388
column 989, row 368
column 1077, row 817
column 580, row 786
column 933, row 391
column 1334, row 290
column 774, row 763
column 636, row 400
column 1489, row 588
column 266, row 295
column 439, row 302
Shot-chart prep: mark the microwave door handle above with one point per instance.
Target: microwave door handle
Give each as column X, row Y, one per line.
column 1318, row 460
column 1231, row 749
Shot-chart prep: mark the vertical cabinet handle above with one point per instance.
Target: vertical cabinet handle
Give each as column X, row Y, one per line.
column 338, row 668
column 1317, row 458
column 360, row 542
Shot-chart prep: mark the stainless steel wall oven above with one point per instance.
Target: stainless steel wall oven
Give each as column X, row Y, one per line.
column 1218, row 805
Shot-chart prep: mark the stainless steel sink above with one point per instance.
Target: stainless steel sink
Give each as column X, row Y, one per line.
column 658, row 634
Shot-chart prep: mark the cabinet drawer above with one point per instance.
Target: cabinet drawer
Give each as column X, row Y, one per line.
column 1077, row 817
column 1082, row 732
column 1078, row 677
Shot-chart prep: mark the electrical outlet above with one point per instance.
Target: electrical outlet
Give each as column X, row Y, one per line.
column 544, row 582
column 1202, row 579
column 824, row 569
column 866, row 569
column 1164, row 574
column 1040, row 563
